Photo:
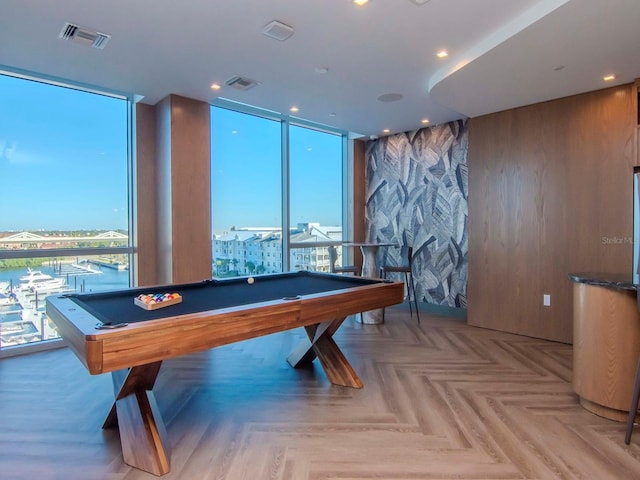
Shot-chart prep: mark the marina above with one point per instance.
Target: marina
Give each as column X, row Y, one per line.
column 115, row 265
column 23, row 293
column 78, row 269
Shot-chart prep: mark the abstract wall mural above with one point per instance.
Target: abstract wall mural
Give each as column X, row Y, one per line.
column 416, row 195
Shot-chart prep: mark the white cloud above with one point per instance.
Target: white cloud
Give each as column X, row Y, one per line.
column 9, row 152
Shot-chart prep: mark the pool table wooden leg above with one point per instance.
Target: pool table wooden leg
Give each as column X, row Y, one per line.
column 337, row 368
column 142, row 432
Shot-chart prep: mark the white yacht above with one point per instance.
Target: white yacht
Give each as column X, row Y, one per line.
column 32, row 278
column 30, row 274
column 37, row 282
column 48, row 285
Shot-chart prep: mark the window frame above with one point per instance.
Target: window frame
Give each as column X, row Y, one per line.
column 286, row 122
column 130, row 249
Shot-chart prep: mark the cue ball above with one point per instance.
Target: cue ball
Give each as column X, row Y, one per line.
column 250, row 280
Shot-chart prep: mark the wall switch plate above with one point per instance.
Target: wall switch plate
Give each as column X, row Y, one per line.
column 546, row 300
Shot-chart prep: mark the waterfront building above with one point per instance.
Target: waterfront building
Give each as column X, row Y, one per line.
column 257, row 250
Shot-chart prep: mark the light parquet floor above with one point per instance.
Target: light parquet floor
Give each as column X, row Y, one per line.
column 441, row 400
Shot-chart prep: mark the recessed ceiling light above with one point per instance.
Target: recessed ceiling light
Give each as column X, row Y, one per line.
column 332, row 114
column 360, row 2
column 608, row 78
column 425, row 120
column 386, row 130
column 419, row 2
column 442, row 54
column 557, row 68
column 215, row 86
column 321, row 70
column 294, row 109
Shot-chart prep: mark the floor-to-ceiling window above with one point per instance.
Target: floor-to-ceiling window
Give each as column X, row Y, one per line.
column 65, row 210
column 315, row 197
column 246, row 193
column 276, row 191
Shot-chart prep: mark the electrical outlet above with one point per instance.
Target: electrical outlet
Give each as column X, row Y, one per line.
column 546, row 300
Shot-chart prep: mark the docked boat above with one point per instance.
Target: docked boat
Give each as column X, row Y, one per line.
column 48, row 285
column 33, row 278
column 31, row 274
column 36, row 281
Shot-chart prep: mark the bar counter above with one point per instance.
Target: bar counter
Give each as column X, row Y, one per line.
column 606, row 341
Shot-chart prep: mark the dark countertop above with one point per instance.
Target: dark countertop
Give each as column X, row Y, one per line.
column 622, row 281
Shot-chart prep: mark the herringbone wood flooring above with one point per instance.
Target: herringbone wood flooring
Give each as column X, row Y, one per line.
column 441, row 400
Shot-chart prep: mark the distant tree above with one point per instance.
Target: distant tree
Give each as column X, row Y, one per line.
column 251, row 267
column 21, row 263
column 222, row 266
column 260, row 269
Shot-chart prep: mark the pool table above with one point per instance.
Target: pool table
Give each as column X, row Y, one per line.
column 108, row 332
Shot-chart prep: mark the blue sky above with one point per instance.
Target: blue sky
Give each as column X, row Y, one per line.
column 246, row 173
column 63, row 158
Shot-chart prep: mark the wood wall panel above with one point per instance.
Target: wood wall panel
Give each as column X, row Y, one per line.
column 145, row 198
column 191, row 187
column 164, row 245
column 359, row 197
column 550, row 192
column 184, row 190
column 636, row 108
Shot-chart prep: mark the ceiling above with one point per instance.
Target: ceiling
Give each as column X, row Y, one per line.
column 502, row 53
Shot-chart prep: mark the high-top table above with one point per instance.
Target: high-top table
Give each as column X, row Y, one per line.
column 370, row 269
column 606, row 342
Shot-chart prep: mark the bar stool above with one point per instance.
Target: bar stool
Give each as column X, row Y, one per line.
column 333, row 268
column 633, row 408
column 406, row 267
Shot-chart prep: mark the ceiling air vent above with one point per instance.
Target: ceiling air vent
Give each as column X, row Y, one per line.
column 84, row 36
column 278, row 30
column 241, row 83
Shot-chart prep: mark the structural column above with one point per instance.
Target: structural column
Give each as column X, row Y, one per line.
column 178, row 198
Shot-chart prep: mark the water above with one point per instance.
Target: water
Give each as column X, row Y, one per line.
column 110, row 279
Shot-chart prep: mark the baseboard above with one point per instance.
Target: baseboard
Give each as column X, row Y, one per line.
column 443, row 310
